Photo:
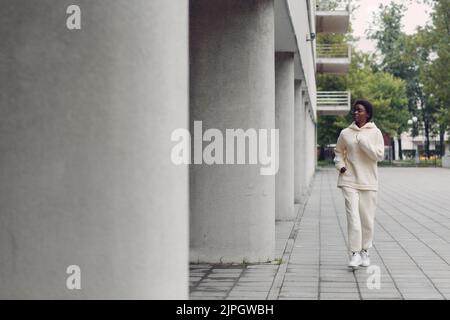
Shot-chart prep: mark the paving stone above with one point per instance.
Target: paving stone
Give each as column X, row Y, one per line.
column 410, row 246
column 308, row 295
column 216, row 284
column 338, row 290
column 207, row 294
column 339, row 296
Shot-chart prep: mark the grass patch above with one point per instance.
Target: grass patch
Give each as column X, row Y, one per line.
column 396, row 163
column 278, row 261
column 325, row 163
column 411, row 163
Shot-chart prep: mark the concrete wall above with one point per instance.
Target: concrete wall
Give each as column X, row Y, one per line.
column 85, row 171
column 446, row 158
column 86, row 118
column 306, row 149
column 446, row 161
column 300, row 147
column 310, row 141
column 303, row 26
column 232, row 86
column 284, row 110
column 302, row 14
column 409, row 143
column 305, row 155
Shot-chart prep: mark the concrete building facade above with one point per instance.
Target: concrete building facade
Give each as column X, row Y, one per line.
column 87, row 117
column 417, row 143
column 250, row 83
column 85, row 174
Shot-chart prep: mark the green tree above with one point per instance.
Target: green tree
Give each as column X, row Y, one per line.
column 390, row 39
column 398, row 56
column 435, row 72
column 419, row 53
column 422, row 60
column 366, row 81
column 386, row 92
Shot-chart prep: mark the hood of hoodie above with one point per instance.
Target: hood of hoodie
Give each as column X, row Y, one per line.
column 368, row 125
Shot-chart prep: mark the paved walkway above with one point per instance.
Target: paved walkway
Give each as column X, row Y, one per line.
column 410, row 257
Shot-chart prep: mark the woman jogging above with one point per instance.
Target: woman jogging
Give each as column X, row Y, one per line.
column 357, row 151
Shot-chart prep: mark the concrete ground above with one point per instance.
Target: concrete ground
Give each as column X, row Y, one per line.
column 410, row 257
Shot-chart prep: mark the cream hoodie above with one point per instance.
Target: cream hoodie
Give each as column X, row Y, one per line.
column 358, row 150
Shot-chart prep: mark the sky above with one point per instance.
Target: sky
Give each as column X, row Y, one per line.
column 416, row 15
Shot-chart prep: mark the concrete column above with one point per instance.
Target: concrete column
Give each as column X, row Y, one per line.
column 315, row 146
column 86, row 177
column 396, row 149
column 446, row 157
column 310, row 149
column 284, row 110
column 307, row 148
column 232, row 87
column 299, row 149
column 313, row 149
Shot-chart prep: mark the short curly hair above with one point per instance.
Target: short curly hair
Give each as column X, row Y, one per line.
column 367, row 105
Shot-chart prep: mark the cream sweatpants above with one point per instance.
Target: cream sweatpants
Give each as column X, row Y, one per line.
column 360, row 207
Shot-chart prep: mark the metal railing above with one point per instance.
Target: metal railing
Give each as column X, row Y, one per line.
column 334, row 99
column 333, row 51
column 335, row 5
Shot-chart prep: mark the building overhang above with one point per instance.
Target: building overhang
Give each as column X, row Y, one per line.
column 332, row 110
column 333, row 65
column 291, row 33
column 332, row 21
column 333, row 103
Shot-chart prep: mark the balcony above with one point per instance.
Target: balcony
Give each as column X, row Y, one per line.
column 332, row 17
column 333, row 58
column 333, row 103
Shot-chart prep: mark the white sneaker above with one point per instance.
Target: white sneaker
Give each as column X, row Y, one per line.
column 365, row 260
column 355, row 260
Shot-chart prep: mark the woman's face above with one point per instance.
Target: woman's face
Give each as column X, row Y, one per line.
column 360, row 114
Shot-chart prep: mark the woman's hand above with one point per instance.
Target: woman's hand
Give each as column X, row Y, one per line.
column 343, row 169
